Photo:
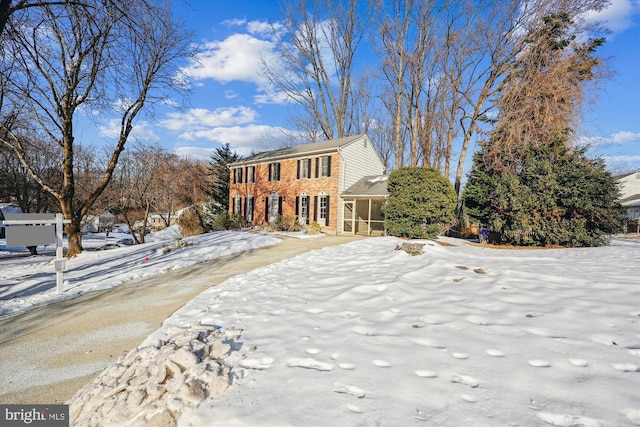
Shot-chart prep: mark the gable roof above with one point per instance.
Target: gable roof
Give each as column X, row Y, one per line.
column 299, row 150
column 368, row 186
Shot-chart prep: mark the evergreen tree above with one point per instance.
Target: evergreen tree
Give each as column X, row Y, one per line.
column 560, row 197
column 421, row 203
column 219, row 187
column 527, row 182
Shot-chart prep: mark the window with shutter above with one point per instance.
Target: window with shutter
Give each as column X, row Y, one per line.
column 304, row 168
column 274, row 172
column 325, row 166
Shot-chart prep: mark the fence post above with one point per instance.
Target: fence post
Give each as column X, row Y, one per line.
column 59, row 253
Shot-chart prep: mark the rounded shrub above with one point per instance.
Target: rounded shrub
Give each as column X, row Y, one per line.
column 421, row 203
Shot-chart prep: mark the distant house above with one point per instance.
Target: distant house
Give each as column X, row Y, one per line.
column 629, row 186
column 310, row 182
column 99, row 222
column 158, row 221
column 7, row 208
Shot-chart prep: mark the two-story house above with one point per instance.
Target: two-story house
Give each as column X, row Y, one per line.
column 305, row 181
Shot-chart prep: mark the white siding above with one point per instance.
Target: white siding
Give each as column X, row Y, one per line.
column 357, row 159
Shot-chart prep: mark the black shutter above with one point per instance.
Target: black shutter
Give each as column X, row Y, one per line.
column 239, row 175
column 328, row 210
column 245, row 207
column 298, row 172
column 280, row 206
column 315, row 208
column 270, row 169
column 234, row 176
column 278, row 173
column 266, row 209
column 308, row 201
column 297, row 206
column 317, row 166
column 328, row 165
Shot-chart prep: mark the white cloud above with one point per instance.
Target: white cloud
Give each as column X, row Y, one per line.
column 202, row 118
column 242, row 139
column 272, row 97
column 142, row 131
column 236, row 22
column 263, row 28
column 259, row 27
column 197, row 153
column 624, row 137
column 618, row 16
column 620, row 159
column 237, row 58
column 618, row 138
column 230, row 94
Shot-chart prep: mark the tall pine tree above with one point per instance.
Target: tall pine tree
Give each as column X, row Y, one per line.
column 218, row 170
column 528, row 183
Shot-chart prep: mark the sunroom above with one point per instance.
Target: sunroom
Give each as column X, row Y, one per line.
column 362, row 206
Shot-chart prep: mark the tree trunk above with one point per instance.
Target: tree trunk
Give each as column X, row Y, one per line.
column 5, row 11
column 74, row 237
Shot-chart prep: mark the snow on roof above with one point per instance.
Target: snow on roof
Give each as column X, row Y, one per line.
column 368, row 186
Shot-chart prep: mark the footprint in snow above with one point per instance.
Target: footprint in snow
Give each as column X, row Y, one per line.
column 566, row 420
column 349, row 389
column 423, row 373
column 468, row 398
column 539, row 363
column 466, row 380
column 579, row 362
column 314, row 310
column 309, row 364
column 347, row 366
column 461, row 356
column 495, row 353
column 626, row 367
column 313, row 351
column 382, row 363
column 355, row 408
column 259, row 364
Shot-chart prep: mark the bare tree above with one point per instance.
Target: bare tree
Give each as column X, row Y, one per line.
column 7, row 8
column 16, row 184
column 60, row 59
column 393, row 32
column 135, row 188
column 317, row 44
column 494, row 35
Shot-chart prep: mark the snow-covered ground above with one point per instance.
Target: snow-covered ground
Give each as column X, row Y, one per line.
column 363, row 334
column 30, row 281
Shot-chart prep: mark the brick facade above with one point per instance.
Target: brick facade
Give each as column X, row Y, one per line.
column 291, row 186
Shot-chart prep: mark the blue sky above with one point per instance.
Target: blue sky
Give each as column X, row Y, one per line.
column 231, row 101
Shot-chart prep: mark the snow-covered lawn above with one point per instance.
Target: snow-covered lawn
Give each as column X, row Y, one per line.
column 27, row 282
column 365, row 335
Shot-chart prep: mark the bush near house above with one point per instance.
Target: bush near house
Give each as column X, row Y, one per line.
column 421, row 203
column 557, row 197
